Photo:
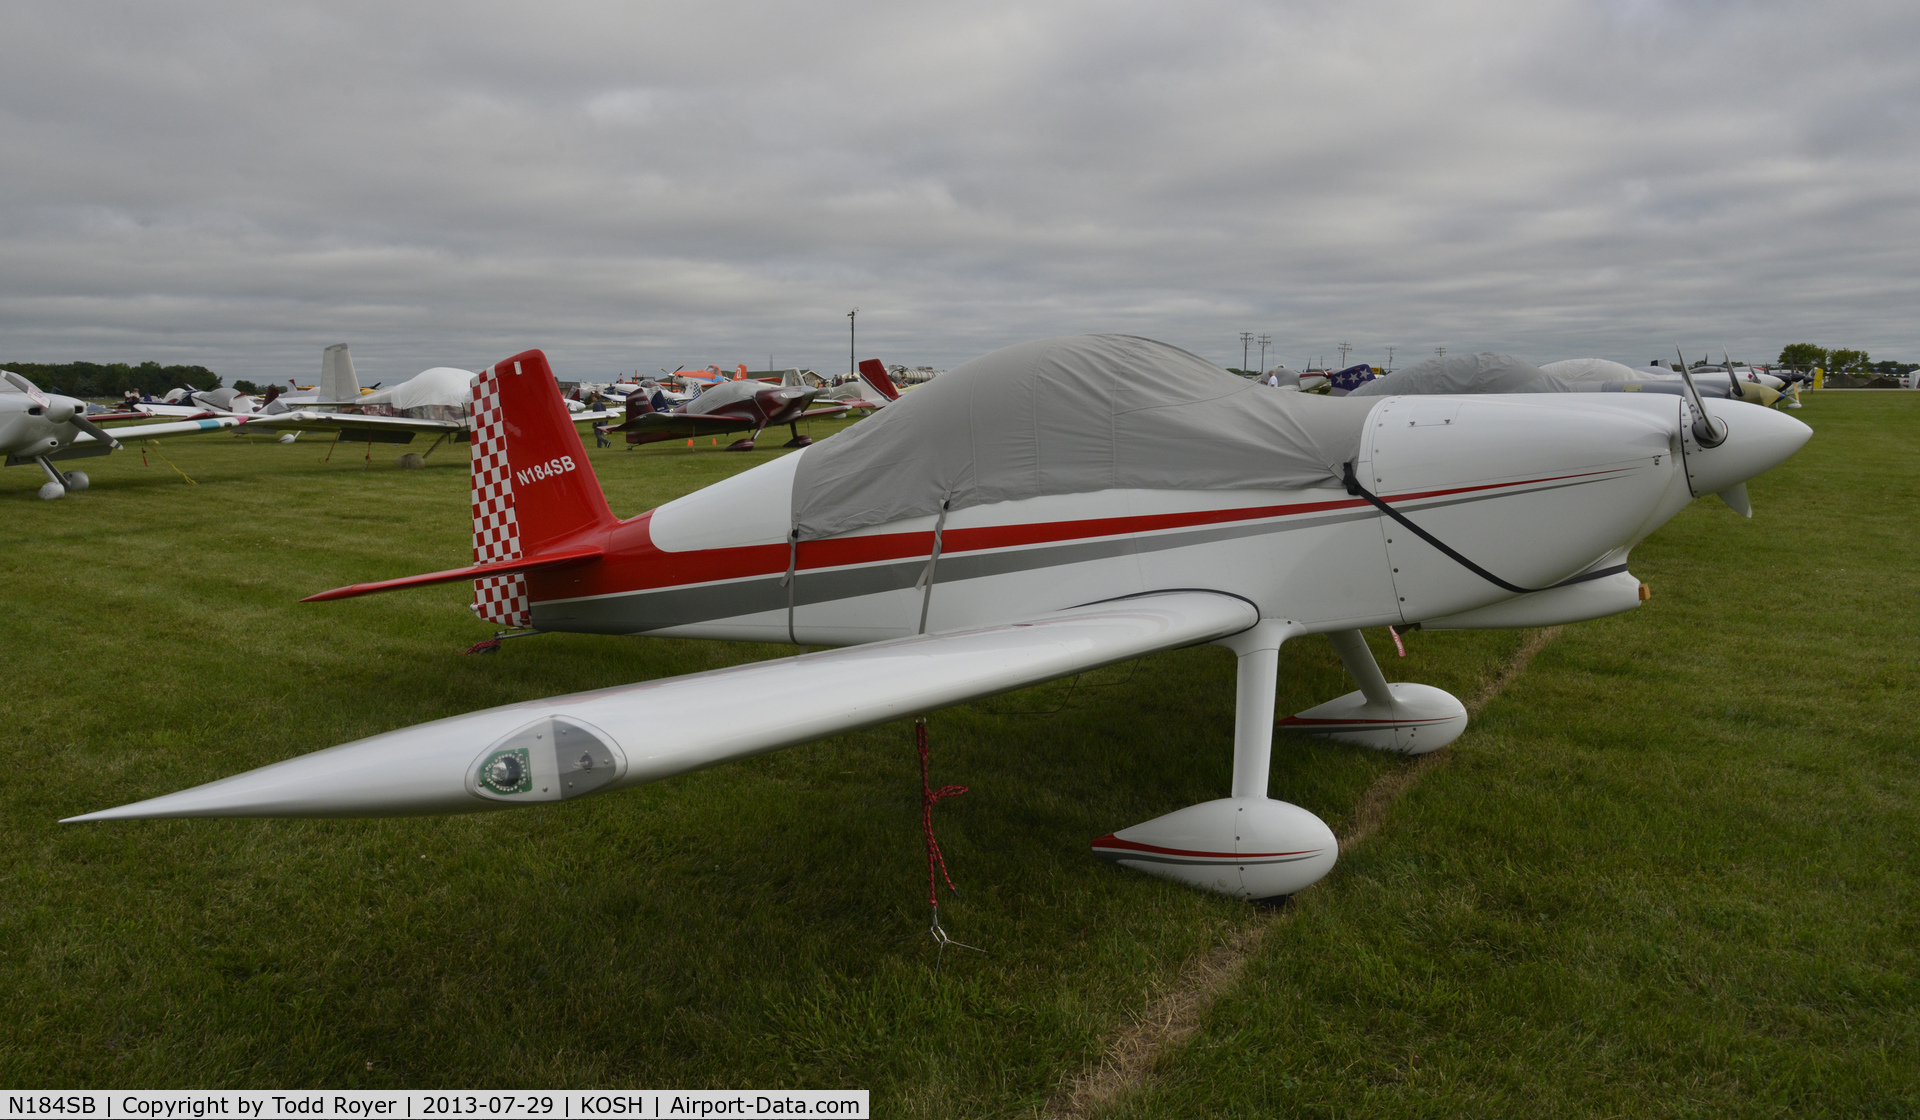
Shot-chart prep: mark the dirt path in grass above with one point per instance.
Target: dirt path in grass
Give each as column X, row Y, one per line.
column 1176, row 1014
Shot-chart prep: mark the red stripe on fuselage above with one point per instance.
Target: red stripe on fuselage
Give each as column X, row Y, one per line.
column 634, row 563
column 1113, row 843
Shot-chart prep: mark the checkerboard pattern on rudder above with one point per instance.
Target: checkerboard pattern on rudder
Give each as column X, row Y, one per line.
column 496, row 534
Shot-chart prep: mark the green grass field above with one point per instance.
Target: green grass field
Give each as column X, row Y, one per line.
column 1669, row 872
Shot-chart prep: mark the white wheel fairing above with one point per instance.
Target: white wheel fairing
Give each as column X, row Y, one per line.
column 1248, row 847
column 1420, row 720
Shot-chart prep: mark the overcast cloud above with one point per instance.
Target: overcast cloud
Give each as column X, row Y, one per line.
column 638, row 185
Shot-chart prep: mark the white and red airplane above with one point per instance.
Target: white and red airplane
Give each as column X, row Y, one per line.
column 1041, row 511
column 730, row 406
column 874, row 388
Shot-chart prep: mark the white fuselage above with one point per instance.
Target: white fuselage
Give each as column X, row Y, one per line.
column 1537, row 488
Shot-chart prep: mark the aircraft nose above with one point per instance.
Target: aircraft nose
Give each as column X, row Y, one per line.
column 1758, row 439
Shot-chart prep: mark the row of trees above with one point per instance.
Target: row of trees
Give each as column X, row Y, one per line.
column 1805, row 355
column 89, row 379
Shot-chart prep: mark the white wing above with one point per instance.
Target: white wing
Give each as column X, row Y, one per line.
column 353, row 422
column 156, row 431
column 590, row 742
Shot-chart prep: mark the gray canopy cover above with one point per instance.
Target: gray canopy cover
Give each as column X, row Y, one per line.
column 1070, row 416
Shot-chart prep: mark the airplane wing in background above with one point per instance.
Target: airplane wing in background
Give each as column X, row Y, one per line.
column 619, row 737
column 176, row 410
column 666, row 424
column 84, row 445
column 857, row 402
column 385, row 429
column 173, row 428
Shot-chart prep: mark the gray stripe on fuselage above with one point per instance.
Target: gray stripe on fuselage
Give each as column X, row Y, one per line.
column 633, row 612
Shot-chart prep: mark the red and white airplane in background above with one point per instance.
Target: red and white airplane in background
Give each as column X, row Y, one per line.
column 1044, row 510
column 874, row 389
column 729, row 406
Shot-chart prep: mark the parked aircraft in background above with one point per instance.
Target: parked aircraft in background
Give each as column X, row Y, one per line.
column 1785, row 384
column 338, row 386
column 211, row 402
column 730, row 406
column 874, row 389
column 1503, row 373
column 433, row 402
column 44, row 428
column 1041, row 511
column 706, row 378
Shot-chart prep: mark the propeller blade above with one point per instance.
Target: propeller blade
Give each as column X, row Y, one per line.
column 1705, row 432
column 96, row 431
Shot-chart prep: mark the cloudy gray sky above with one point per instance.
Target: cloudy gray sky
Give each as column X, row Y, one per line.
column 630, row 186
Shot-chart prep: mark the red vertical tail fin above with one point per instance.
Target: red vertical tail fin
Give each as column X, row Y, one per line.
column 532, row 487
column 874, row 373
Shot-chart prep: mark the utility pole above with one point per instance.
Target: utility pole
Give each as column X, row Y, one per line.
column 1389, row 359
column 1439, row 351
column 1264, row 339
column 1246, row 340
column 853, row 367
column 1343, row 354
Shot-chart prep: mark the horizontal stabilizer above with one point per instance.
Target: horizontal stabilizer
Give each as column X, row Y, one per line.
column 558, row 558
column 590, row 742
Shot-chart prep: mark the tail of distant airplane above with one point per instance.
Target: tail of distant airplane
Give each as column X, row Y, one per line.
column 337, row 381
column 874, row 373
column 533, row 490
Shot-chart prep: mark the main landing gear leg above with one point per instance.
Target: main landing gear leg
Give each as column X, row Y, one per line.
column 58, row 481
column 1409, row 718
column 798, row 440
column 1247, row 845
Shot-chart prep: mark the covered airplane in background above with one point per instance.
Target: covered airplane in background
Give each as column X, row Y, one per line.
column 44, row 428
column 432, row 402
column 1041, row 511
column 1503, row 373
